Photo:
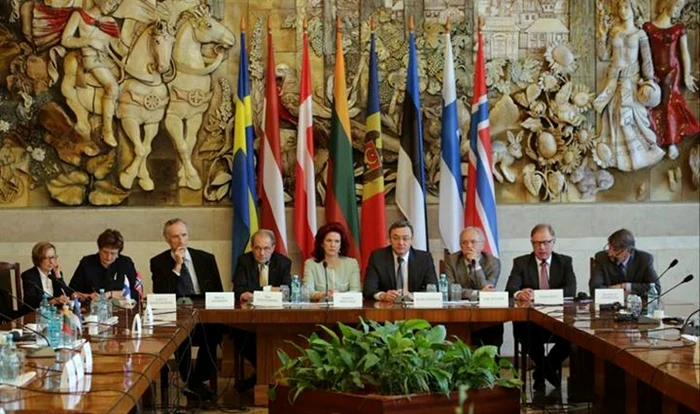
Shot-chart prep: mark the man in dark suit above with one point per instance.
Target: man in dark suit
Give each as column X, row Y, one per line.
column 542, row 269
column 624, row 267
column 186, row 272
column 398, row 269
column 475, row 271
column 262, row 266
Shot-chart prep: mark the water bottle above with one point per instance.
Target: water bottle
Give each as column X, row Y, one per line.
column 54, row 330
column 102, row 307
column 652, row 299
column 44, row 310
column 13, row 365
column 110, row 307
column 296, row 289
column 95, row 308
column 444, row 286
column 3, row 358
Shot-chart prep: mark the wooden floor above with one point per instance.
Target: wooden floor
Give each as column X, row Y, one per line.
column 549, row 401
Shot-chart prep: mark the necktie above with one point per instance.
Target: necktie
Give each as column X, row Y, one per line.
column 264, row 271
column 184, row 285
column 544, row 279
column 399, row 274
column 621, row 271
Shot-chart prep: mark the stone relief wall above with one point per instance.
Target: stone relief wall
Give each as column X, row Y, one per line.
column 129, row 102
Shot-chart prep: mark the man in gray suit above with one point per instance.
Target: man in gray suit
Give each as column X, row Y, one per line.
column 622, row 266
column 475, row 271
column 472, row 268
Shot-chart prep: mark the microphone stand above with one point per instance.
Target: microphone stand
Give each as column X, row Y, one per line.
column 53, row 277
column 685, row 280
column 31, row 308
column 325, row 272
column 673, row 263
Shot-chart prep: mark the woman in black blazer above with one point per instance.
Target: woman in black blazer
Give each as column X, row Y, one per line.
column 44, row 277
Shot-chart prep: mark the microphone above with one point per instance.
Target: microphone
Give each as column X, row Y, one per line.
column 32, row 308
column 325, row 272
column 685, row 280
column 674, row 262
column 53, row 277
column 40, row 288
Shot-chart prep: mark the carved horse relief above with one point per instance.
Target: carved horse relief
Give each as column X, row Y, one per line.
column 144, row 97
column 190, row 90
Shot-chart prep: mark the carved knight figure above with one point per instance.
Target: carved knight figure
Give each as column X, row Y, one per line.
column 625, row 125
column 672, row 119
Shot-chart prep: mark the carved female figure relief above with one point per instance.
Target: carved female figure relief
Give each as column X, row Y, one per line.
column 672, row 119
column 91, row 30
column 625, row 125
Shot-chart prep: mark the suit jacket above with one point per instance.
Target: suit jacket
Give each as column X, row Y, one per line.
column 380, row 275
column 526, row 274
column 639, row 272
column 31, row 284
column 457, row 271
column 246, row 278
column 165, row 280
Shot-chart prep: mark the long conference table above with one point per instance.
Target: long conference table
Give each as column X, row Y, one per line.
column 627, row 367
column 125, row 369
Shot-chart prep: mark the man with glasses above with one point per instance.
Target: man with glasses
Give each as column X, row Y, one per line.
column 189, row 272
column 622, row 266
column 475, row 271
column 541, row 269
column 260, row 267
column 398, row 269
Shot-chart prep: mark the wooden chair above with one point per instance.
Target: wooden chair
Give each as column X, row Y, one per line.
column 11, row 284
column 592, row 266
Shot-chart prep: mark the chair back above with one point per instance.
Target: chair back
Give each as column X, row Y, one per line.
column 11, row 281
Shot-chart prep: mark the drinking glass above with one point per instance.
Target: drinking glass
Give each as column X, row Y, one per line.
column 431, row 288
column 455, row 292
column 285, row 293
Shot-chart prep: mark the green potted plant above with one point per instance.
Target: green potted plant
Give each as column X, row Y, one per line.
column 392, row 367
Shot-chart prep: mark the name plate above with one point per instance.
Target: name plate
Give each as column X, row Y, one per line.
column 493, row 299
column 162, row 301
column 609, row 296
column 219, row 300
column 549, row 296
column 267, row 299
column 347, row 300
column 69, row 377
column 79, row 367
column 86, row 353
column 423, row 300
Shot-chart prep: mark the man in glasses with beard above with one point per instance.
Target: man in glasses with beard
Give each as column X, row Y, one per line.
column 622, row 266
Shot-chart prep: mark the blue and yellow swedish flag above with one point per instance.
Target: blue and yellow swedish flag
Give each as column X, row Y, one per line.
column 244, row 197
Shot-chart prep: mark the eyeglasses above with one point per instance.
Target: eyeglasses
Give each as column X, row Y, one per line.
column 614, row 250
column 472, row 242
column 542, row 243
column 49, row 258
